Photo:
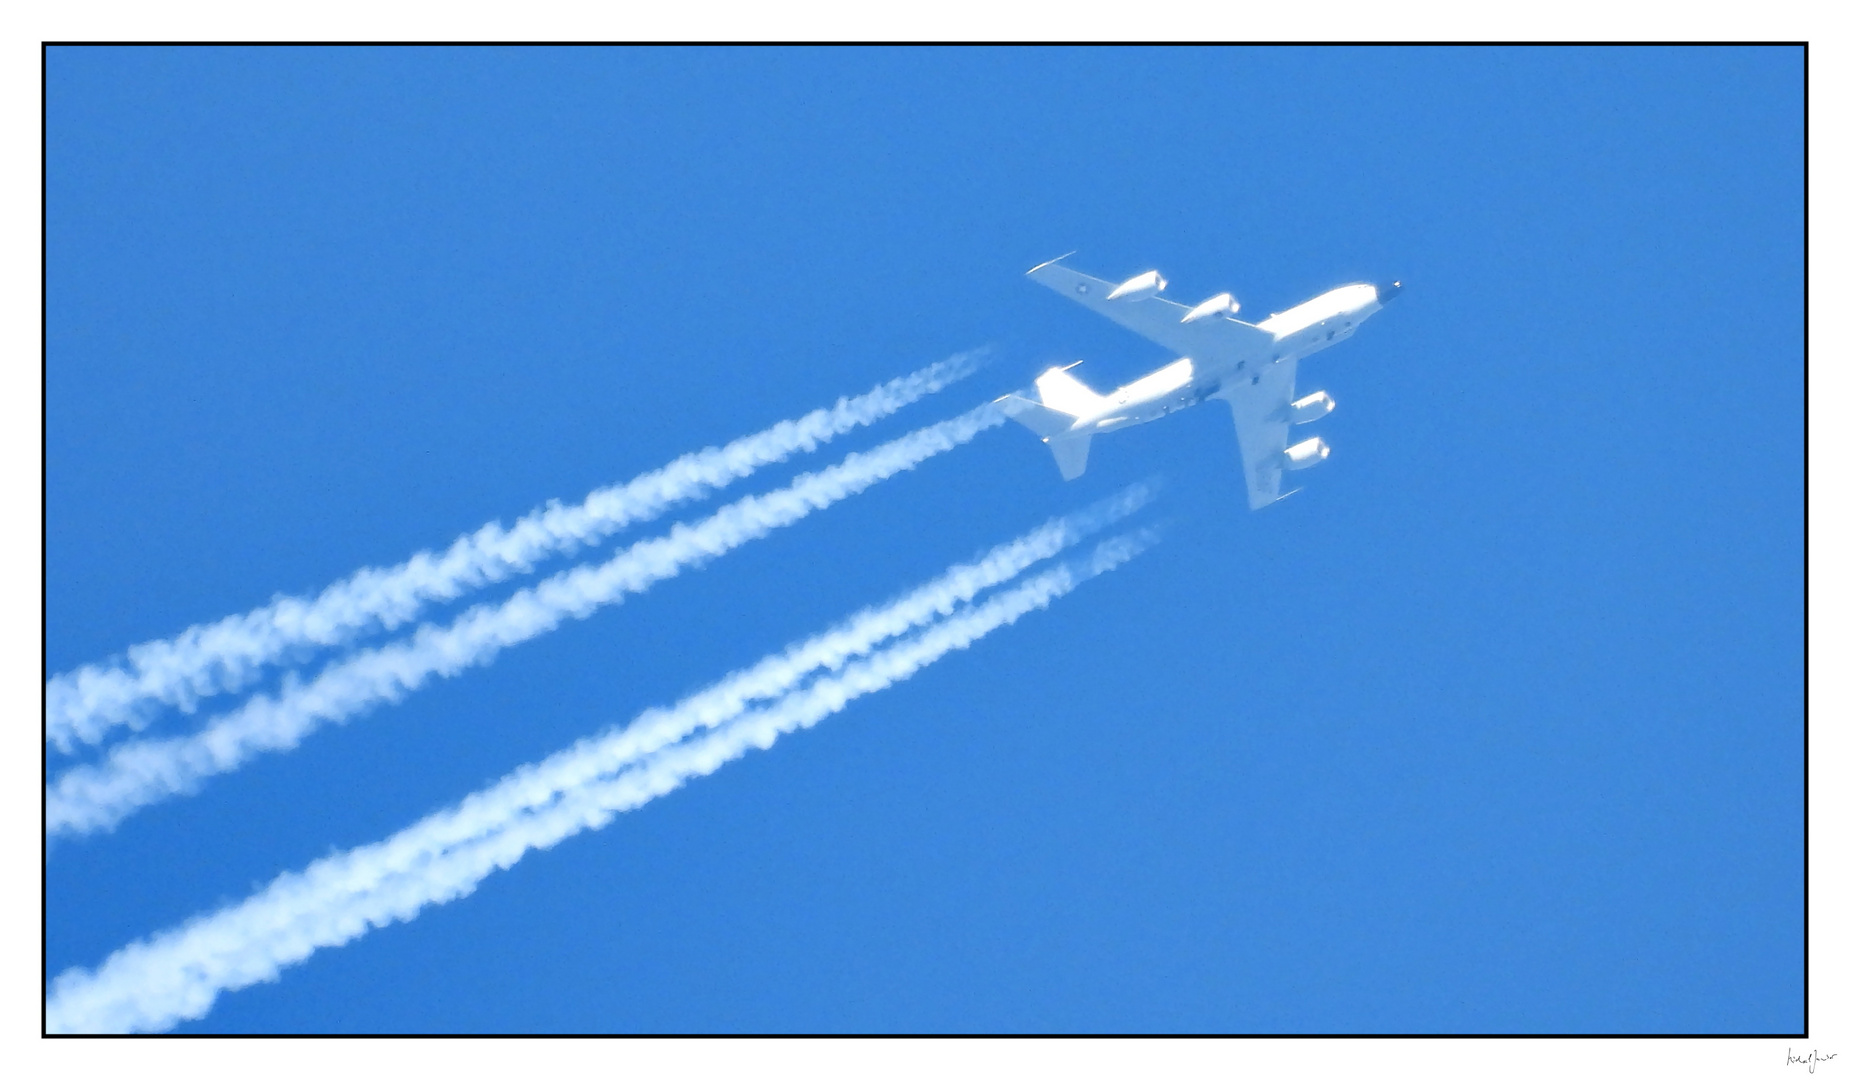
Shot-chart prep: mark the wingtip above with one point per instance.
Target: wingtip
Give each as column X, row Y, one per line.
column 1273, row 501
column 1050, row 262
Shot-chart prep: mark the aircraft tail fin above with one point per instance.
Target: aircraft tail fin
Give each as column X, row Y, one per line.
column 1036, row 417
column 1061, row 390
column 1069, row 452
column 1052, row 425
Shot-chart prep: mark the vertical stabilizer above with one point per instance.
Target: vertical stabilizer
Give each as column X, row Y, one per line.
column 1061, row 390
column 1036, row 417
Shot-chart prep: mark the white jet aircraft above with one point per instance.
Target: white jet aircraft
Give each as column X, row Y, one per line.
column 1253, row 368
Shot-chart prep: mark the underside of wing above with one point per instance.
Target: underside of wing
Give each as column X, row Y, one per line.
column 1218, row 337
column 1261, row 409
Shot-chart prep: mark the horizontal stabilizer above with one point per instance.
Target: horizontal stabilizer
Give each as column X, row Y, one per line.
column 1036, row 417
column 1069, row 452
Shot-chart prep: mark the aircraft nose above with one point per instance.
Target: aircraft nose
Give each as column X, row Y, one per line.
column 1384, row 293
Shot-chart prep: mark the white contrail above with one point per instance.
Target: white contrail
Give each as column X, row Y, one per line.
column 178, row 974
column 779, row 673
column 141, row 772
column 85, row 704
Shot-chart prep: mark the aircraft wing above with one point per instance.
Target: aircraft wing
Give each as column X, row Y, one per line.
column 1215, row 337
column 1260, row 408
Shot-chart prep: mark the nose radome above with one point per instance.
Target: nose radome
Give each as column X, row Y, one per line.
column 1384, row 293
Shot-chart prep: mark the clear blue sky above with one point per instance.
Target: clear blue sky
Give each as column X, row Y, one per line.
column 1497, row 727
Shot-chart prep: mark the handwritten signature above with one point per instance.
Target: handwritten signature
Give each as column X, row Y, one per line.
column 1809, row 1059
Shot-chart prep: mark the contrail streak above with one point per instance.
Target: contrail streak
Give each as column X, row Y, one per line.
column 207, row 659
column 778, row 674
column 141, row 772
column 178, row 974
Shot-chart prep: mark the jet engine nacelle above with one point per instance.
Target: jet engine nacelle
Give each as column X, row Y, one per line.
column 1305, row 454
column 1141, row 287
column 1224, row 304
column 1312, row 407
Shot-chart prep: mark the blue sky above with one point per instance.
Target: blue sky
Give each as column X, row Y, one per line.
column 1497, row 727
